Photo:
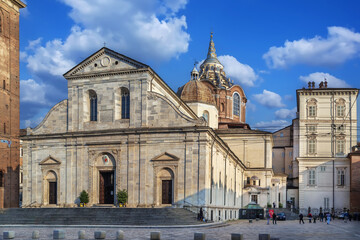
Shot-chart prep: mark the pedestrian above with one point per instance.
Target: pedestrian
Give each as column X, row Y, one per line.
column 314, row 218
column 321, row 217
column 274, row 218
column 201, row 214
column 328, row 218
column 301, row 218
column 274, row 205
column 268, row 217
column 310, row 217
column 346, row 216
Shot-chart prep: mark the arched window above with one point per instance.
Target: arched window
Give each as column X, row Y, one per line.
column 206, row 117
column 125, row 103
column 236, row 104
column 93, row 105
column 340, row 108
column 311, row 108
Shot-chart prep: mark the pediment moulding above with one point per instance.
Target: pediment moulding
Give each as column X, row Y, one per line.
column 50, row 160
column 165, row 157
column 107, row 58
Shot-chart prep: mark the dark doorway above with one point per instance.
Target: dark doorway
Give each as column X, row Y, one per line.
column 52, row 193
column 106, row 187
column 166, row 191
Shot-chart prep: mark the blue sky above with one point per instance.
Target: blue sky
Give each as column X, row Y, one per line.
column 270, row 48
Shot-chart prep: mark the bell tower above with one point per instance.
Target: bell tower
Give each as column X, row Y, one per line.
column 9, row 103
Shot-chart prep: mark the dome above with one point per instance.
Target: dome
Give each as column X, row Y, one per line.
column 196, row 91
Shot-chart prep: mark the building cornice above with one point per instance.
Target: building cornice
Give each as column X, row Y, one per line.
column 19, row 3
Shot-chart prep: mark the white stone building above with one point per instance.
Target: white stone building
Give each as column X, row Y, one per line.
column 324, row 133
column 122, row 127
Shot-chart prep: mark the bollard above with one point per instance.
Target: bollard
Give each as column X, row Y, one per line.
column 59, row 234
column 155, row 236
column 81, row 234
column 237, row 236
column 8, row 235
column 264, row 236
column 100, row 235
column 119, row 235
column 35, row 234
column 250, row 220
column 199, row 236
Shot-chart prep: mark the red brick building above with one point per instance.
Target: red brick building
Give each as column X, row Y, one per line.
column 9, row 103
column 355, row 179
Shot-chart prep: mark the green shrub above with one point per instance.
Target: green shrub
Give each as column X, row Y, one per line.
column 280, row 205
column 122, row 196
column 269, row 205
column 84, row 197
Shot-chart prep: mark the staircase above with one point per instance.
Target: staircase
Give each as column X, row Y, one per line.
column 99, row 216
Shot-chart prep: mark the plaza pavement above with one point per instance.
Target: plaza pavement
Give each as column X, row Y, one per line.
column 285, row 230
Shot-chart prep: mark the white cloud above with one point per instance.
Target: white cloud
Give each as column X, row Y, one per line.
column 32, row 122
column 340, row 45
column 139, row 29
column 31, row 91
column 285, row 113
column 318, row 77
column 269, row 99
column 272, row 125
column 238, row 71
column 250, row 106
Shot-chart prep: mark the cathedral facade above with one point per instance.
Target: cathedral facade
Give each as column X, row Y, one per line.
column 123, row 127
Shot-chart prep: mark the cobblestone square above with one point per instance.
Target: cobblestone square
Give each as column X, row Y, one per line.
column 286, row 230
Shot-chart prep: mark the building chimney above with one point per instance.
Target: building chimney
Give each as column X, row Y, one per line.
column 321, row 84
column 325, row 83
column 309, row 84
column 313, row 85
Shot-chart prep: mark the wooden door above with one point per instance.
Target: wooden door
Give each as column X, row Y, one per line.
column 106, row 187
column 52, row 193
column 166, row 191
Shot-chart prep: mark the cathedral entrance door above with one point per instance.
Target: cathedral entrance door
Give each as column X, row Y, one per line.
column 106, row 187
column 52, row 193
column 166, row 192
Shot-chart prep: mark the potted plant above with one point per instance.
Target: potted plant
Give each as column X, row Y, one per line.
column 84, row 198
column 122, row 197
column 280, row 205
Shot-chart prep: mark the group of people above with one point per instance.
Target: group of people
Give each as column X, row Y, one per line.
column 270, row 216
column 312, row 218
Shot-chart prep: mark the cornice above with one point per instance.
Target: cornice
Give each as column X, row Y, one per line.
column 107, row 73
column 19, row 3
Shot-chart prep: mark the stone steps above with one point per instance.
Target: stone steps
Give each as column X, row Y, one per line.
column 98, row 216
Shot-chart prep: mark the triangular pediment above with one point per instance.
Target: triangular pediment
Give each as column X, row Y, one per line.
column 104, row 60
column 165, row 157
column 50, row 161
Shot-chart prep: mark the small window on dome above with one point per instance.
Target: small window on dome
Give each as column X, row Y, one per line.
column 236, row 104
column 206, row 117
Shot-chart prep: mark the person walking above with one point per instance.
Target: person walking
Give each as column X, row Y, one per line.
column 321, row 217
column 301, row 218
column 274, row 205
column 274, row 218
column 328, row 218
column 310, row 217
column 268, row 217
